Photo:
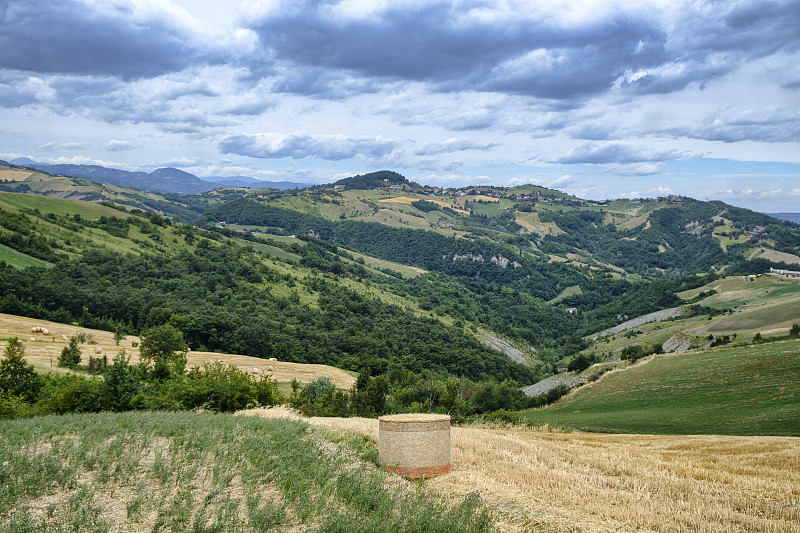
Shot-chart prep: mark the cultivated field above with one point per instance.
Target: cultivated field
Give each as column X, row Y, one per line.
column 539, row 480
column 43, row 351
column 739, row 390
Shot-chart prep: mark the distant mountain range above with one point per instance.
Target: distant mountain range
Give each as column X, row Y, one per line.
column 162, row 180
column 791, row 217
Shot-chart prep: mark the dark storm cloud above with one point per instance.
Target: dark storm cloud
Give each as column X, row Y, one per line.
column 302, row 145
column 70, row 37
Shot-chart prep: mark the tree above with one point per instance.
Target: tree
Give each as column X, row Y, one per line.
column 120, row 383
column 71, row 355
column 579, row 363
column 17, row 377
column 163, row 350
column 119, row 334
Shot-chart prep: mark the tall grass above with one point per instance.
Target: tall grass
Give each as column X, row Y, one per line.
column 206, row 472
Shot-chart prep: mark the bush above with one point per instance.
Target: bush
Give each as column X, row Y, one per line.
column 317, row 389
column 17, row 377
column 13, row 407
column 70, row 394
column 121, row 382
column 579, row 363
column 71, row 355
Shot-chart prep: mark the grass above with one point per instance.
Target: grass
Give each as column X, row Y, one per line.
column 404, row 270
column 744, row 390
column 205, row 472
column 18, row 259
column 58, row 206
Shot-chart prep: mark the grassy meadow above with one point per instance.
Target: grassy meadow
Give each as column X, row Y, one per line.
column 151, row 471
column 741, row 390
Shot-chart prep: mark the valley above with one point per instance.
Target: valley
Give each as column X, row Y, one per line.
column 377, row 295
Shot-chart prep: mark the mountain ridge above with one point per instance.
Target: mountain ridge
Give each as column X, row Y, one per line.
column 162, row 180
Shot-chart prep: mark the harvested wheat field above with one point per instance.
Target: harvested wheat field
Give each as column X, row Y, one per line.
column 42, row 351
column 538, row 480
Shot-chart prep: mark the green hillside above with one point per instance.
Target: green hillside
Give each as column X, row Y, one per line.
column 746, row 390
column 299, row 300
column 380, row 274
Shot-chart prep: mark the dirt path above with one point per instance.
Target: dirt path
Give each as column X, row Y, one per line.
column 581, row 482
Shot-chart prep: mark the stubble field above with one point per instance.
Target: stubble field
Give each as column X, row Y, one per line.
column 540, row 480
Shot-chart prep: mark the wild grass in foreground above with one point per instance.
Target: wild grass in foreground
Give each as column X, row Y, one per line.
column 204, row 472
column 744, row 390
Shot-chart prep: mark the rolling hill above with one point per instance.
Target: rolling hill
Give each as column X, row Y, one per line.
column 378, row 272
column 741, row 390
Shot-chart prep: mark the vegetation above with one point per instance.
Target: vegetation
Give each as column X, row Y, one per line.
column 167, row 471
column 740, row 390
column 71, row 354
column 215, row 386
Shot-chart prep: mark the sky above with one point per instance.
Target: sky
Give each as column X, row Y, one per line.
column 601, row 99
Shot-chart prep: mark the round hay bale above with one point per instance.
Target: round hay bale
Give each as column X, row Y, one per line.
column 414, row 445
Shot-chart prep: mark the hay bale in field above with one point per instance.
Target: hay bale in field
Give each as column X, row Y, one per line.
column 270, row 368
column 32, row 339
column 35, row 329
column 414, row 445
column 64, row 337
column 45, row 331
column 272, row 359
column 98, row 350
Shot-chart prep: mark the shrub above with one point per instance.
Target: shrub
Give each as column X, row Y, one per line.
column 17, row 377
column 579, row 363
column 71, row 355
column 121, row 382
column 317, row 389
column 13, row 407
column 70, row 394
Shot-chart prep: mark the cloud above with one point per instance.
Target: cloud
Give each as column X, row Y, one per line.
column 120, row 39
column 453, row 144
column 768, row 124
column 529, row 49
column 637, row 169
column 115, row 145
column 55, row 147
column 302, row 145
column 614, row 152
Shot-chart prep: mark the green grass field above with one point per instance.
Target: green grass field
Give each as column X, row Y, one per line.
column 58, row 206
column 18, row 259
column 745, row 390
column 201, row 472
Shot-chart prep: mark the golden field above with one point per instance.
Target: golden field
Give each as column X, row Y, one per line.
column 42, row 352
column 541, row 480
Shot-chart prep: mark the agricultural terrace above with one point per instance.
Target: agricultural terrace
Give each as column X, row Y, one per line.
column 544, row 480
